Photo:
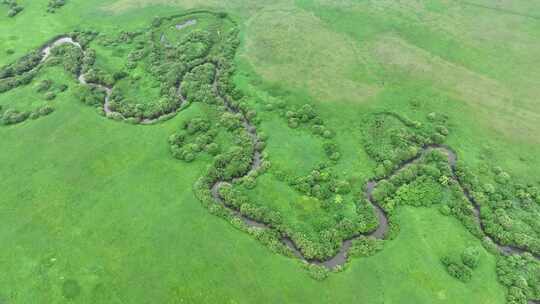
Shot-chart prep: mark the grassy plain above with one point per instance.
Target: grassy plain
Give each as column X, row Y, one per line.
column 103, row 206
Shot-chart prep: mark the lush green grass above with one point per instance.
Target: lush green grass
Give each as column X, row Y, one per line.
column 104, row 203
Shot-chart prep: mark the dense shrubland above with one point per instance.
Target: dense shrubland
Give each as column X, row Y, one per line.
column 521, row 275
column 197, row 135
column 183, row 70
column 390, row 138
column 509, row 209
column 333, row 193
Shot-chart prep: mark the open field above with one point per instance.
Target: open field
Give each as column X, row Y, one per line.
column 242, row 151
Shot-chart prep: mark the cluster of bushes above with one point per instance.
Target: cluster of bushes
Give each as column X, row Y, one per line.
column 509, row 209
column 49, row 89
column 462, row 267
column 316, row 248
column 236, row 161
column 84, row 37
column 331, row 191
column 197, row 84
column 11, row 116
column 7, row 84
column 202, row 137
column 317, row 272
column 423, row 191
column 269, row 237
column 426, row 180
column 302, row 116
column 183, row 68
column 53, row 5
column 325, row 238
column 457, row 269
column 521, row 275
column 234, row 164
column 20, row 72
column 69, row 56
column 321, row 183
column 365, row 246
column 21, row 66
column 238, row 201
column 325, row 186
column 14, row 8
column 432, row 167
column 391, row 139
column 331, row 150
column 90, row 95
column 129, row 37
column 98, row 76
column 195, row 45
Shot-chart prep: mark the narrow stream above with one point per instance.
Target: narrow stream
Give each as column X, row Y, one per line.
column 46, row 52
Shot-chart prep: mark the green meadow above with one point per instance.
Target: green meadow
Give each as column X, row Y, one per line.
column 97, row 210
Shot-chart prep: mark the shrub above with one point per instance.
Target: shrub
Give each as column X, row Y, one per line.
column 317, row 272
column 14, row 11
column 249, row 182
column 189, row 157
column 11, row 116
column 457, row 269
column 44, row 85
column 328, row 134
column 212, row 149
column 54, row 5
column 45, row 110
column 365, row 246
column 470, row 257
column 50, row 96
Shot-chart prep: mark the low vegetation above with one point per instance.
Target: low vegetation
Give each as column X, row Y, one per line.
column 14, row 7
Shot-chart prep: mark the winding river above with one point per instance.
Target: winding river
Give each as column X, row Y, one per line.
column 341, row 257
column 46, row 53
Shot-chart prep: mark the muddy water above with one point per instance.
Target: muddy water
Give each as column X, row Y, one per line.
column 186, row 24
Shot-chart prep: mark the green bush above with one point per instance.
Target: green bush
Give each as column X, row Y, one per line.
column 317, row 272
column 53, row 5
column 457, row 269
column 471, row 257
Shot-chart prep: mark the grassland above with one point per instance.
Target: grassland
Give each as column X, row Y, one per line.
column 100, row 210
